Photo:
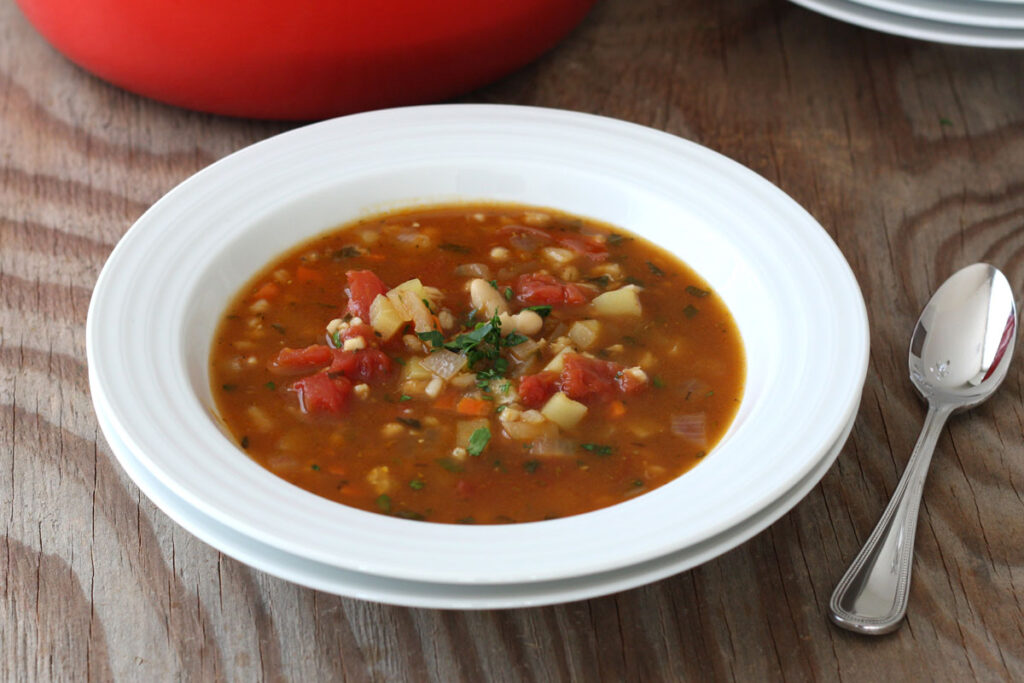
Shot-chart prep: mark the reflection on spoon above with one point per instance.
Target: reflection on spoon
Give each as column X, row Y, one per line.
column 959, row 354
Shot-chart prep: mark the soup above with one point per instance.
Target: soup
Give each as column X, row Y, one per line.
column 477, row 364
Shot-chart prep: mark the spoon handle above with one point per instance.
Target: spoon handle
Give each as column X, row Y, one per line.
column 871, row 597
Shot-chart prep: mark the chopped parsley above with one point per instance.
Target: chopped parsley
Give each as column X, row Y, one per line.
column 615, row 239
column 435, row 338
column 417, row 484
column 404, row 397
column 270, row 385
column 531, row 466
column 508, row 294
column 478, row 440
column 279, row 328
column 658, row 382
column 315, row 467
column 658, row 272
column 690, row 311
column 454, row 248
column 634, row 281
column 336, row 339
column 597, row 448
column 696, row 291
column 384, row 502
column 449, row 464
column 542, row 310
column 228, row 387
column 410, row 422
column 347, row 252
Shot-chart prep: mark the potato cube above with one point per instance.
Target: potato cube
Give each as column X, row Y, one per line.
column 384, row 318
column 584, row 333
column 563, row 411
column 624, row 301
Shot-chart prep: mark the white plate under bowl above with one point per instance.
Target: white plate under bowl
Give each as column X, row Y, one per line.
column 916, row 27
column 352, row 584
column 160, row 295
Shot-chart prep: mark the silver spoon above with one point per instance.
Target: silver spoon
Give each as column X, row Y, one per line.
column 959, row 355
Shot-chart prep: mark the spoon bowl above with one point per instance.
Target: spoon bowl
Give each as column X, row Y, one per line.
column 959, row 355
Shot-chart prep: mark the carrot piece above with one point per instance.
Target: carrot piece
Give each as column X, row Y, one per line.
column 304, row 274
column 616, row 409
column 468, row 405
column 268, row 291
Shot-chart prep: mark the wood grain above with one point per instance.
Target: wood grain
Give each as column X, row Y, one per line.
column 910, row 154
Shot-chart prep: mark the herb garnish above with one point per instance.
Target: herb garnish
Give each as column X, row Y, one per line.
column 336, row 339
column 315, row 467
column 384, row 502
column 228, row 387
column 279, row 328
column 417, row 484
column 696, row 291
column 615, row 239
column 455, row 248
column 690, row 311
column 270, row 385
column 531, row 466
column 658, row 382
column 347, row 252
column 410, row 422
column 597, row 448
column 478, row 440
column 508, row 294
column 542, row 310
column 658, row 272
column 435, row 338
column 449, row 464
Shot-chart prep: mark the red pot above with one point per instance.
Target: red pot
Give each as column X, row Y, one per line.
column 301, row 59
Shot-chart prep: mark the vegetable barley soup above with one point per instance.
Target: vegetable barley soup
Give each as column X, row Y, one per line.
column 477, row 364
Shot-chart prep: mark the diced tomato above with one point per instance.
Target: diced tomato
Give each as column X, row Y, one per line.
column 588, row 379
column 535, row 390
column 366, row 365
column 363, row 288
column 541, row 288
column 292, row 361
column 587, row 246
column 320, row 393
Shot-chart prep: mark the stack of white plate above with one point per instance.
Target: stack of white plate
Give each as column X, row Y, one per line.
column 980, row 23
column 157, row 302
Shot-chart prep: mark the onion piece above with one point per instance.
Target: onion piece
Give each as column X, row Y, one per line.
column 552, row 446
column 481, row 270
column 444, row 363
column 692, row 427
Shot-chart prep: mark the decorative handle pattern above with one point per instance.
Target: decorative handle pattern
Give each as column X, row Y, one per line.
column 871, row 597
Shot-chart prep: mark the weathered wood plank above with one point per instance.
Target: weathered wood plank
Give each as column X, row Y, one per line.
column 910, row 154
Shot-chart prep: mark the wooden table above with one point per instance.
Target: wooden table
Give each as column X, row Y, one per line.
column 910, row 154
